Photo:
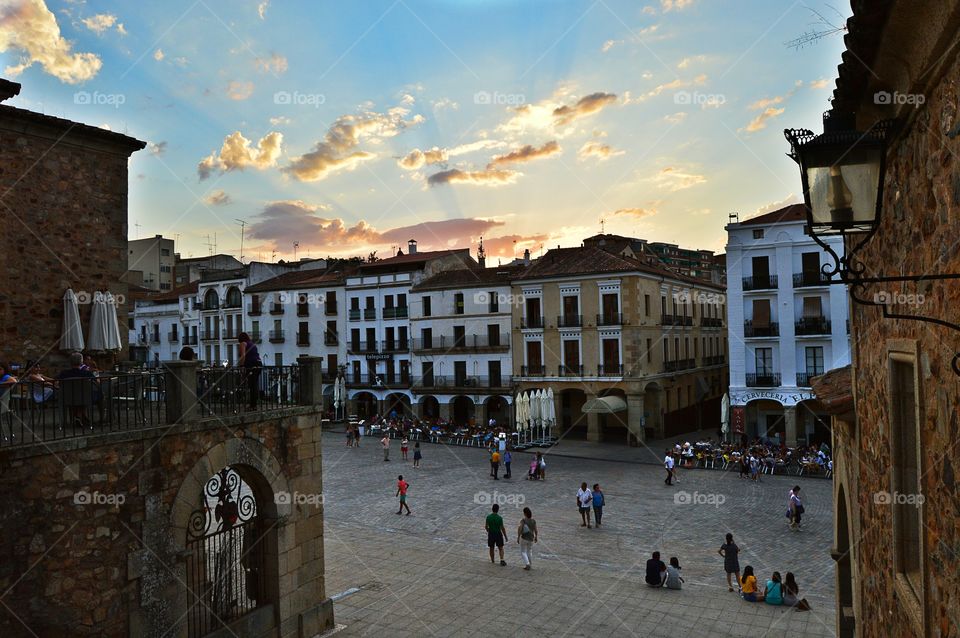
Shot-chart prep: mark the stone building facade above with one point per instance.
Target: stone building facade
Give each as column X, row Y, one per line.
column 58, row 232
column 897, row 519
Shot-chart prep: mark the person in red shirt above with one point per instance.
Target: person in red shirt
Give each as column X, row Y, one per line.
column 402, row 487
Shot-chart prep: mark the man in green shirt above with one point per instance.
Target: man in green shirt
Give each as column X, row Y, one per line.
column 496, row 532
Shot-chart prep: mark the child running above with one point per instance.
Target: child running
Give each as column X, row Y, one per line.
column 402, row 487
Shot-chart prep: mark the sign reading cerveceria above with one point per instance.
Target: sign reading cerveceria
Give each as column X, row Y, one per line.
column 744, row 397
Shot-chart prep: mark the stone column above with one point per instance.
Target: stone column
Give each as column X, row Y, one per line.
column 790, row 425
column 593, row 423
column 635, row 418
column 311, row 380
column 180, row 391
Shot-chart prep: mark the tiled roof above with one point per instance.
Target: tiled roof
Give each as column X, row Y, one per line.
column 10, row 115
column 791, row 213
column 412, row 259
column 168, row 296
column 470, row 278
column 834, row 390
column 299, row 279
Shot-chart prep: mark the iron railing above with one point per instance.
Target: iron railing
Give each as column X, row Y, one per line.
column 398, row 312
column 532, row 371
column 531, row 322
column 354, row 347
column 441, row 382
column 569, row 321
column 173, row 337
column 771, row 329
column 711, row 322
column 760, row 282
column 809, row 279
column 254, row 309
column 330, row 338
column 763, row 380
column 610, row 319
column 676, row 320
column 397, row 345
column 803, row 378
column 189, row 340
column 570, row 371
column 714, row 360
column 464, row 342
column 355, row 314
column 812, row 326
column 276, row 308
column 228, row 391
column 610, row 370
column 210, row 335
column 276, row 336
column 303, row 338
column 679, row 364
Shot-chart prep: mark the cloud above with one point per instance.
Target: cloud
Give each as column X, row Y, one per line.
column 102, row 22
column 597, row 151
column 584, row 106
column 238, row 90
column 445, row 103
column 553, row 115
column 772, row 206
column 760, row 121
column 768, row 109
column 674, row 5
column 217, row 198
column 686, row 62
column 673, row 85
column 280, row 119
column 650, row 11
column 262, row 9
column 510, row 245
column 763, row 103
column 609, row 44
column 237, row 154
column 525, row 153
column 158, row 55
column 416, row 158
column 638, row 213
column 486, row 177
column 158, row 148
column 28, row 26
column 338, row 150
column 676, row 118
column 275, row 64
column 637, row 36
column 676, row 179
column 819, row 84
column 407, row 100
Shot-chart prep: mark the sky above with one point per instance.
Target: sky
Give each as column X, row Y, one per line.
column 315, row 128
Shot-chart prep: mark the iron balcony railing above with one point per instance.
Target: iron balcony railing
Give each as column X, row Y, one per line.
column 760, row 282
column 676, row 320
column 809, row 279
column 570, row 371
column 569, row 321
column 679, row 364
column 610, row 319
column 303, row 310
column 210, row 335
column 378, row 380
column 812, row 326
column 355, row 314
column 531, row 322
column 189, row 340
column 254, row 309
column 255, row 337
column 155, row 337
column 231, row 305
column 303, row 338
column 355, row 347
column 226, row 391
column 369, row 314
column 173, row 337
column 276, row 336
column 714, row 360
column 397, row 345
column 610, row 370
column 458, row 383
column 450, row 343
column 532, row 371
column 711, row 322
column 276, row 308
column 771, row 329
column 803, row 378
column 763, row 380
column 398, row 312
column 330, row 338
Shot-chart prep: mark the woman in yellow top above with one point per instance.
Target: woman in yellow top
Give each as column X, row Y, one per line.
column 749, row 583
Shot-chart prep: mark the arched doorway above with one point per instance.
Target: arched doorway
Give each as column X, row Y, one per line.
column 497, row 408
column 653, row 411
column 572, row 421
column 845, row 608
column 613, row 425
column 397, row 406
column 765, row 419
column 813, row 423
column 462, row 410
column 366, row 405
column 429, row 408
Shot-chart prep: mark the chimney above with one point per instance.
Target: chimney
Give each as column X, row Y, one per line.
column 481, row 255
column 412, row 247
column 526, row 256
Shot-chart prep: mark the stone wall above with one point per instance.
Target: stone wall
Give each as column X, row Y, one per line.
column 918, row 234
column 64, row 193
column 113, row 564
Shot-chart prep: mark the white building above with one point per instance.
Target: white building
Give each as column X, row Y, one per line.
column 462, row 360
column 786, row 324
column 379, row 373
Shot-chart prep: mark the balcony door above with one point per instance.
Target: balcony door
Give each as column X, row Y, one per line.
column 761, row 270
column 611, row 355
column 610, row 305
column 571, row 356
column 761, row 317
column 533, row 311
column 493, row 334
column 571, row 308
column 426, row 374
column 493, row 371
column 534, row 356
column 810, row 267
column 764, row 362
column 460, row 373
column 459, row 336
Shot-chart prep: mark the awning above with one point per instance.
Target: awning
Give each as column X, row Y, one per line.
column 604, row 405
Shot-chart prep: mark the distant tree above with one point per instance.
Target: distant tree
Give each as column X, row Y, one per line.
column 821, row 28
column 372, row 257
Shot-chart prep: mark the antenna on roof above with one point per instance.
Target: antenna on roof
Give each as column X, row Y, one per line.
column 296, row 245
column 602, row 225
column 243, row 225
column 137, row 226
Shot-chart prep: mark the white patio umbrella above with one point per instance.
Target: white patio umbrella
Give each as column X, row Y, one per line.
column 536, row 403
column 113, row 327
column 725, row 415
column 72, row 337
column 525, row 412
column 336, row 397
column 97, row 332
column 342, row 382
column 550, row 410
column 517, row 413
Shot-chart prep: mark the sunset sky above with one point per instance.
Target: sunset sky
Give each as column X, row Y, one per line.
column 353, row 126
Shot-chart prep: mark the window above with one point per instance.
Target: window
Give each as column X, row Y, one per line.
column 646, row 305
column 758, row 233
column 354, row 303
column 493, row 334
column 571, row 356
column 663, row 306
column 905, row 453
column 649, row 350
column 764, row 361
column 458, row 303
column 494, row 372
column 814, row 360
column 426, row 336
column 459, row 336
column 401, row 300
column 165, row 252
column 534, row 357
column 388, row 301
column 164, row 286
column 494, row 301
column 426, row 306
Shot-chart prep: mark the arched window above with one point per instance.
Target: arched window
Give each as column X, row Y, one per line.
column 211, row 300
column 234, row 298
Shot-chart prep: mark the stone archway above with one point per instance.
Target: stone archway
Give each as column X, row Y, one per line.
column 653, row 411
column 613, row 426
column 462, row 410
column 571, row 419
column 498, row 408
column 846, row 621
column 429, row 407
column 765, row 419
column 365, row 404
column 396, row 404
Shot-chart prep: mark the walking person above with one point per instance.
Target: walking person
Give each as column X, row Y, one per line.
column 416, row 454
column 541, row 467
column 404, row 446
column 385, row 444
column 668, row 463
column 507, row 459
column 598, row 503
column 527, row 535
column 496, row 532
column 248, row 358
column 795, row 508
column 495, row 465
column 402, row 487
column 349, row 437
column 584, row 500
column 731, row 560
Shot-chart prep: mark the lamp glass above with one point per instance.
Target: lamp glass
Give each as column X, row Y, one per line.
column 843, row 187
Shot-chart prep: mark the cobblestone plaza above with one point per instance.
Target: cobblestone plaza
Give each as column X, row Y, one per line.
column 429, row 574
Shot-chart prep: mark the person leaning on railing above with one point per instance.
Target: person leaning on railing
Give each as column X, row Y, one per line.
column 249, row 359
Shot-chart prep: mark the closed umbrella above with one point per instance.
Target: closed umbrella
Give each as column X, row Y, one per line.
column 725, row 415
column 525, row 412
column 113, row 327
column 551, row 410
column 535, row 405
column 517, row 413
column 72, row 338
column 97, row 332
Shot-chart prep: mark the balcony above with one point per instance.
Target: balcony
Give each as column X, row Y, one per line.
column 768, row 282
column 232, row 333
column 232, row 304
column 810, row 279
column 155, row 338
column 812, row 326
column 531, row 322
column 330, row 338
column 276, row 308
column 803, row 378
column 772, row 329
column 400, row 312
column 610, row 319
column 303, row 338
column 466, row 343
column 210, row 335
column 715, row 360
column 355, row 314
column 765, row 380
column 256, row 337
column 210, row 306
column 303, row 310
column 610, row 370
column 570, row 371
column 679, row 364
column 395, row 346
column 532, row 371
column 711, row 322
column 370, row 314
column 378, row 380
column 676, row 320
column 173, row 337
column 276, row 336
column 443, row 384
column 569, row 321
column 330, row 307
column 362, row 347
column 189, row 340
column 254, row 309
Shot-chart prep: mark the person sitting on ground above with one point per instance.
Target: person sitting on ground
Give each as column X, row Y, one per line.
column 774, row 590
column 748, row 583
column 656, row 571
column 674, row 579
column 791, row 594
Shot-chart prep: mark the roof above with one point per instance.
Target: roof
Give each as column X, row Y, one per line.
column 834, row 390
column 208, row 276
column 172, row 296
column 791, row 213
column 8, row 89
column 187, row 260
column 470, row 278
column 414, row 259
column 862, row 40
column 68, row 131
column 298, row 279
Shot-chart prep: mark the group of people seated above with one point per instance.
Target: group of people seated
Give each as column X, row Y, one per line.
column 660, row 574
column 40, row 387
column 776, row 592
column 754, row 457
